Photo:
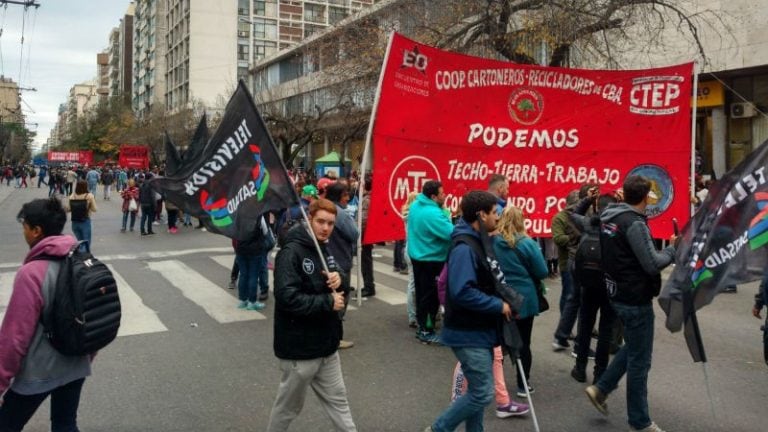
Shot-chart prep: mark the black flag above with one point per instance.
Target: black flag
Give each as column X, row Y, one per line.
column 723, row 244
column 235, row 177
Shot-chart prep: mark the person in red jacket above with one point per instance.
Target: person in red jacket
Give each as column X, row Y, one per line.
column 130, row 193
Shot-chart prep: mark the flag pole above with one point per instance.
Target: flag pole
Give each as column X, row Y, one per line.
column 693, row 130
column 364, row 166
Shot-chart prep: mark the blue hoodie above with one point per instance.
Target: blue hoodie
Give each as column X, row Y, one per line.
column 429, row 231
column 462, row 288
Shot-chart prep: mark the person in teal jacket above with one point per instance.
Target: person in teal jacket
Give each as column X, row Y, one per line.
column 429, row 238
column 520, row 257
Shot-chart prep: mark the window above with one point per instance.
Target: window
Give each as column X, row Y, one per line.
column 267, row 8
column 310, row 29
column 264, row 29
column 263, row 49
column 243, row 29
column 242, row 52
column 335, row 15
column 243, row 6
column 314, row 13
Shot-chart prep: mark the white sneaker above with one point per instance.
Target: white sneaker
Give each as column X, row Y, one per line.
column 653, row 427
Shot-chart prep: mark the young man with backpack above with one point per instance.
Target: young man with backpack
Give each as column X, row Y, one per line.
column 26, row 355
column 594, row 298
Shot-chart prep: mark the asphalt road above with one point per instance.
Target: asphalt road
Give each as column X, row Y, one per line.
column 184, row 367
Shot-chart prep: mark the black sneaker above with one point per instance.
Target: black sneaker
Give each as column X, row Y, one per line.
column 591, row 354
column 368, row 292
column 560, row 344
column 578, row 374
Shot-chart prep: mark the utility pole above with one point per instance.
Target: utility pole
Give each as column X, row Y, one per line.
column 25, row 3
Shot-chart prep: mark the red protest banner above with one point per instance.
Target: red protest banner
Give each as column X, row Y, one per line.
column 460, row 119
column 83, row 157
column 134, row 157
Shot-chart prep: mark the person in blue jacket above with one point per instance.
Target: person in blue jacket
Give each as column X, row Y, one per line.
column 520, row 258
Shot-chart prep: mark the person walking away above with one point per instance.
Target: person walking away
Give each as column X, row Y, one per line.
column 632, row 269
column 82, row 204
column 429, row 237
column 92, row 177
column 366, row 257
column 524, row 267
column 308, row 301
column 251, row 259
column 147, row 202
column 41, row 176
column 107, row 178
column 31, row 370
column 594, row 298
column 130, row 205
column 71, row 179
column 472, row 313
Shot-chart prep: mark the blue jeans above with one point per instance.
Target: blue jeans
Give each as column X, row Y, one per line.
column 566, row 280
column 92, row 187
column 18, row 409
column 253, row 276
column 125, row 219
column 634, row 360
column 147, row 217
column 82, row 231
column 570, row 302
column 477, row 365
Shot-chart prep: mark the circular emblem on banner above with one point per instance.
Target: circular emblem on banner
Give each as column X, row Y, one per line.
column 662, row 190
column 409, row 176
column 308, row 265
column 525, row 106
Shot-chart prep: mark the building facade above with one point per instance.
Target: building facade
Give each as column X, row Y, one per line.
column 10, row 101
column 121, row 55
column 82, row 98
column 149, row 49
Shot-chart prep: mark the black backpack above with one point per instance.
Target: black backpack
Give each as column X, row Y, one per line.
column 85, row 310
column 79, row 208
column 588, row 252
column 287, row 225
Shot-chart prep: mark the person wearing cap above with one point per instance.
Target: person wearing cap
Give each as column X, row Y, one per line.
column 632, row 267
column 308, row 194
column 322, row 186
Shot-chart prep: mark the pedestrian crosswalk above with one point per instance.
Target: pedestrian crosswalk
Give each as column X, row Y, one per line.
column 191, row 283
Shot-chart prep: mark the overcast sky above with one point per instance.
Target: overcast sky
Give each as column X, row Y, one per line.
column 61, row 40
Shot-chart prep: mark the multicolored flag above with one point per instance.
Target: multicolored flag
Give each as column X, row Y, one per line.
column 723, row 244
column 234, row 177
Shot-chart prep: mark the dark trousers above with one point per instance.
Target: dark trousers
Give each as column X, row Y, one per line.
column 594, row 298
column 132, row 216
column 400, row 255
column 17, row 409
column 147, row 217
column 366, row 267
column 425, row 275
column 570, row 311
column 525, row 327
column 235, row 271
column 173, row 217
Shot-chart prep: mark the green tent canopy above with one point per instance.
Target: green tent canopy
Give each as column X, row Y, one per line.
column 332, row 157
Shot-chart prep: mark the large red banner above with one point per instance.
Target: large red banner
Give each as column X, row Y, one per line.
column 134, row 157
column 460, row 119
column 83, row 157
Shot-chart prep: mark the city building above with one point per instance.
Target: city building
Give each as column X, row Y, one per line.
column 83, row 97
column 149, row 60
column 10, row 101
column 121, row 55
column 102, row 74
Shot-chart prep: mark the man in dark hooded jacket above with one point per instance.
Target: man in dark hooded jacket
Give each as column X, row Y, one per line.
column 308, row 300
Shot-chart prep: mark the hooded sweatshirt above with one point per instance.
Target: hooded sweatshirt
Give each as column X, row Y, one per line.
column 429, row 231
column 25, row 353
column 629, row 256
column 465, row 293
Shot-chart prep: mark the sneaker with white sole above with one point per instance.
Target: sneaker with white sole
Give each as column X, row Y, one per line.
column 242, row 304
column 653, row 427
column 512, row 409
column 255, row 306
column 428, row 337
column 521, row 392
column 597, row 397
column 560, row 344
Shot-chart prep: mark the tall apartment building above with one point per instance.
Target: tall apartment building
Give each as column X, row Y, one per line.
column 102, row 75
column 83, row 97
column 149, row 49
column 266, row 26
column 10, row 101
column 202, row 43
column 121, row 55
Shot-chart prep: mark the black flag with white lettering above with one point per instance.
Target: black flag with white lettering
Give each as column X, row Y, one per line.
column 236, row 177
column 724, row 244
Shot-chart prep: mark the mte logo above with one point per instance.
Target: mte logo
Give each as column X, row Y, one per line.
column 655, row 95
column 409, row 176
column 415, row 59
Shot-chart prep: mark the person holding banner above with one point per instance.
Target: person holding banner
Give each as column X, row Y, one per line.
column 429, row 238
column 632, row 269
column 308, row 325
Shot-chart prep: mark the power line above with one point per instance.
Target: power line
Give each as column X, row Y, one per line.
column 29, row 47
column 21, row 56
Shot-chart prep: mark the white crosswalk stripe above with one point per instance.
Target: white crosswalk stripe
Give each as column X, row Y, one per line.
column 217, row 303
column 137, row 318
column 387, row 270
column 384, row 293
column 6, row 287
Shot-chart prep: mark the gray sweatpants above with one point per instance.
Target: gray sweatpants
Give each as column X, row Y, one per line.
column 324, row 376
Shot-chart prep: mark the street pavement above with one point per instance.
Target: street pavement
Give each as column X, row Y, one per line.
column 188, row 360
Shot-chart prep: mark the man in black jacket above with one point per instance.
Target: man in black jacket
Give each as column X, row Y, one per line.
column 307, row 324
column 632, row 267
